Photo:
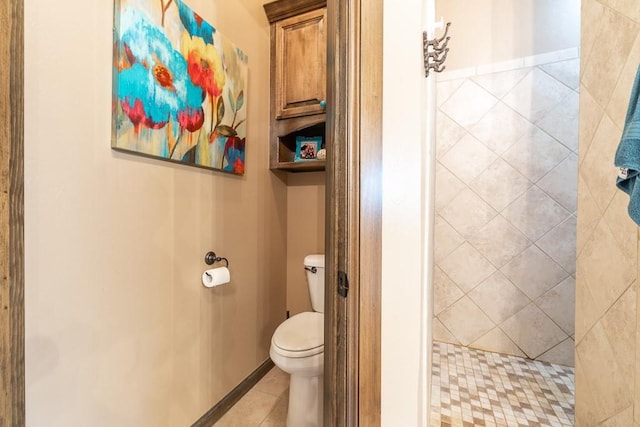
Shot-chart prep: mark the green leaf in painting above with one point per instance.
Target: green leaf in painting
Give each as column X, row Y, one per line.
column 239, row 101
column 238, row 124
column 225, row 130
column 232, row 102
column 190, row 156
column 220, row 110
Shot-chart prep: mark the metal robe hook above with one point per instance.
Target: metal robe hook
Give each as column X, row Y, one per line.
column 435, row 51
column 446, row 31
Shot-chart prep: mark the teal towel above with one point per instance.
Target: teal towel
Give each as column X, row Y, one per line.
column 628, row 153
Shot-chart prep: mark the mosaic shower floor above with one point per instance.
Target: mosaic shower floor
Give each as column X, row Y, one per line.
column 477, row 388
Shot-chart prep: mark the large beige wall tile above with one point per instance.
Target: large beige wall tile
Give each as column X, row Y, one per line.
column 611, row 390
column 567, row 72
column 562, row 354
column 623, row 419
column 535, row 154
column 608, row 269
column 624, row 229
column 587, row 311
column 534, row 272
column 498, row 298
column 500, row 184
column 586, row 413
column 449, row 133
column 559, row 305
column 442, row 334
column 533, row 331
column 446, row 88
column 499, row 84
column 446, row 239
column 590, row 116
column 602, row 68
column 447, row 186
column 468, row 158
column 562, row 183
column 445, row 291
column 535, row 213
column 560, row 244
column 589, row 214
column 536, row 95
column 496, row 341
column 468, row 213
column 617, row 107
column 501, row 126
column 467, row 267
column 499, row 241
column 468, row 104
column 627, row 8
column 561, row 122
column 465, row 321
column 597, row 168
column 591, row 21
column 619, row 324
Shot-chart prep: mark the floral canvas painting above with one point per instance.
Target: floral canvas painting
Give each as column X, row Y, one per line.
column 179, row 87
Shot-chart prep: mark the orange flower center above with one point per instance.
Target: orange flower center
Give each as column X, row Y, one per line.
column 163, row 76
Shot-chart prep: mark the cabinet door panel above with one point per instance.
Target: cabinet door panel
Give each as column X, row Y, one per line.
column 301, row 64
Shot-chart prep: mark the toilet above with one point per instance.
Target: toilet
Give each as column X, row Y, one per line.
column 297, row 347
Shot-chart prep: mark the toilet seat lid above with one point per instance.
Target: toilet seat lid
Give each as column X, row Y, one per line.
column 300, row 336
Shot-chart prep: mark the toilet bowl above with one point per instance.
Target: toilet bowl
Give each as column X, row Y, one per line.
column 297, row 347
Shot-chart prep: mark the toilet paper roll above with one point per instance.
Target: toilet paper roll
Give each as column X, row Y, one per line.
column 216, row 277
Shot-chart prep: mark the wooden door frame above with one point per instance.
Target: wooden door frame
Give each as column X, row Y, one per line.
column 354, row 213
column 12, row 375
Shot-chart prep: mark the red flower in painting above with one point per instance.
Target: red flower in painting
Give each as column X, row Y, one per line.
column 238, row 166
column 138, row 116
column 191, row 119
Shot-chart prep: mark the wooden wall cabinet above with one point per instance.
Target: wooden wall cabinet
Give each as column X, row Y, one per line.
column 298, row 79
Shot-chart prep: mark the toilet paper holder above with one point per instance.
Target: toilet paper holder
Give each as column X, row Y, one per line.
column 211, row 258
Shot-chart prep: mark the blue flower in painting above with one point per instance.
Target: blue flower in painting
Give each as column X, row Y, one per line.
column 194, row 24
column 234, row 154
column 153, row 84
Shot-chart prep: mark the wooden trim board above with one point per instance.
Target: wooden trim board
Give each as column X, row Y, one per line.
column 354, row 207
column 12, row 374
column 214, row 414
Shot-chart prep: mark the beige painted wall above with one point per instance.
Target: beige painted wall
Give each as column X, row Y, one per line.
column 305, row 233
column 119, row 329
column 489, row 31
column 607, row 336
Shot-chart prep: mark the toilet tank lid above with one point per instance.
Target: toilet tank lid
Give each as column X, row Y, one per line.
column 314, row 260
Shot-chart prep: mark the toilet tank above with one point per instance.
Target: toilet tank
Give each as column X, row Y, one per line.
column 314, row 266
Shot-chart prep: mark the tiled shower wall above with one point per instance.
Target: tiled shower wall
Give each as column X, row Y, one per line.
column 506, row 190
column 607, row 336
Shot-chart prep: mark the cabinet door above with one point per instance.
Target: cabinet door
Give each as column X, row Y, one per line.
column 301, row 47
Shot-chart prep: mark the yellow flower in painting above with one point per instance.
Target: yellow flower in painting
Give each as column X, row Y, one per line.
column 233, row 65
column 204, row 64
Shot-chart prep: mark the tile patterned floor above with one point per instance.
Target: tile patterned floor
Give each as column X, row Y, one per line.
column 265, row 405
column 470, row 388
column 477, row 388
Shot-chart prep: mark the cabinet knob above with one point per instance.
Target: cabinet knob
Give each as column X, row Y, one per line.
column 323, row 104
